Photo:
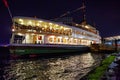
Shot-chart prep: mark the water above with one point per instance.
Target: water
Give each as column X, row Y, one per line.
column 67, row 67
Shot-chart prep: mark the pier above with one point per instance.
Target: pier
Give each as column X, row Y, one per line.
column 102, row 48
column 109, row 44
column 113, row 41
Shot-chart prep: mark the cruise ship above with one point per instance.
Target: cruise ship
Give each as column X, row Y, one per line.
column 38, row 36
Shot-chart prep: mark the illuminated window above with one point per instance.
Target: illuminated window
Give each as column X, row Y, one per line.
column 29, row 23
column 21, row 21
column 50, row 39
column 64, row 40
column 39, row 37
column 58, row 39
column 75, row 40
column 54, row 39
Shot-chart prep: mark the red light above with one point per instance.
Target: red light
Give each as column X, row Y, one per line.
column 39, row 37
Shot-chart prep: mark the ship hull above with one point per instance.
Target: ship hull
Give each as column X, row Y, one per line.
column 31, row 49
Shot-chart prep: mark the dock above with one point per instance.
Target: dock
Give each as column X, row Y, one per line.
column 101, row 48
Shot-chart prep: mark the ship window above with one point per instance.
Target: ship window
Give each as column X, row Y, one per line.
column 75, row 41
column 18, row 39
column 79, row 41
column 29, row 23
column 58, row 39
column 54, row 39
column 64, row 40
column 50, row 39
column 39, row 37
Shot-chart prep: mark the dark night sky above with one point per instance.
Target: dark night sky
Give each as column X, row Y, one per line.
column 104, row 13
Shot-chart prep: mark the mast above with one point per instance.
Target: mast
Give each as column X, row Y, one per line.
column 84, row 21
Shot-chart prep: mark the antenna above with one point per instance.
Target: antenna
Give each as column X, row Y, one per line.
column 84, row 10
column 84, row 13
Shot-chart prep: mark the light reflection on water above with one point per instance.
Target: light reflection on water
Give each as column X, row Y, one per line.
column 71, row 67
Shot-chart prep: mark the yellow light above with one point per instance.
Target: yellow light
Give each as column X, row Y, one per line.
column 86, row 27
column 29, row 23
column 20, row 34
column 50, row 23
column 40, row 21
column 76, row 24
column 38, row 24
column 45, row 26
column 66, row 37
column 52, row 36
column 13, row 29
column 21, row 21
column 32, row 34
column 61, row 26
column 59, row 37
column 56, row 25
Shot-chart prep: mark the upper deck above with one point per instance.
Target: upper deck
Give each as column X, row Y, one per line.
column 28, row 25
column 34, row 30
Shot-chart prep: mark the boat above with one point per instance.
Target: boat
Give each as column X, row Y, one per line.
column 38, row 36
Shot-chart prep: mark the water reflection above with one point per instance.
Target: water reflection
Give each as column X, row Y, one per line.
column 57, row 68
